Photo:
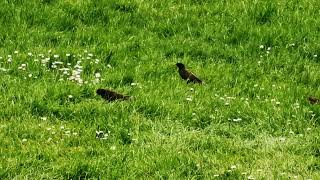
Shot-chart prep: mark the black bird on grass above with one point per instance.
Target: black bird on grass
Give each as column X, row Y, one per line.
column 111, row 95
column 187, row 75
column 314, row 100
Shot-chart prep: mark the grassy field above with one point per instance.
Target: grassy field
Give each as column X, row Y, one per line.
column 259, row 60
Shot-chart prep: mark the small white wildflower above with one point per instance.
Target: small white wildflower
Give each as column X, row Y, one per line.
column 80, row 81
column 43, row 118
column 44, row 61
column 49, row 129
column 67, row 132
column 16, row 52
column 315, row 55
column 61, row 127
column 233, row 167
column 109, row 66
column 268, row 52
column 50, row 51
column 68, row 55
column 97, row 75
column 189, row 99
column 237, row 120
column 9, row 60
column 97, row 61
column 29, row 54
column 58, row 62
column 79, row 68
column 90, row 54
column 64, row 69
column 36, row 60
column 74, row 133
column 269, row 48
column 193, row 114
column 99, row 134
column 227, row 104
column 70, row 96
column 79, row 71
column 30, row 75
column 24, row 140
column 113, row 148
column 134, row 84
column 105, row 136
column 191, row 89
column 216, row 175
column 68, row 64
column 9, row 56
column 56, row 56
column 261, row 46
column 277, row 103
column 256, row 85
column 23, row 65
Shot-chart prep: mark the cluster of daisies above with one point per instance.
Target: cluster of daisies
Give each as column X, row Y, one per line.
column 68, row 66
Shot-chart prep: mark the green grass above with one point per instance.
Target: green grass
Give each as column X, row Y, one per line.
column 251, row 119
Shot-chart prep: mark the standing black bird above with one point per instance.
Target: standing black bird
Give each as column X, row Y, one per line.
column 313, row 100
column 111, row 95
column 187, row 75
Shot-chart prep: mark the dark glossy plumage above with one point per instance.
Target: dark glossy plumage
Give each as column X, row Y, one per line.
column 111, row 95
column 314, row 100
column 187, row 75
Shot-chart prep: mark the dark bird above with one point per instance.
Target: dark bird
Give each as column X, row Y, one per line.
column 313, row 100
column 111, row 95
column 187, row 75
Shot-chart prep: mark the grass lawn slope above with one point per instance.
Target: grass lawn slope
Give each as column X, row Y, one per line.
column 250, row 119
